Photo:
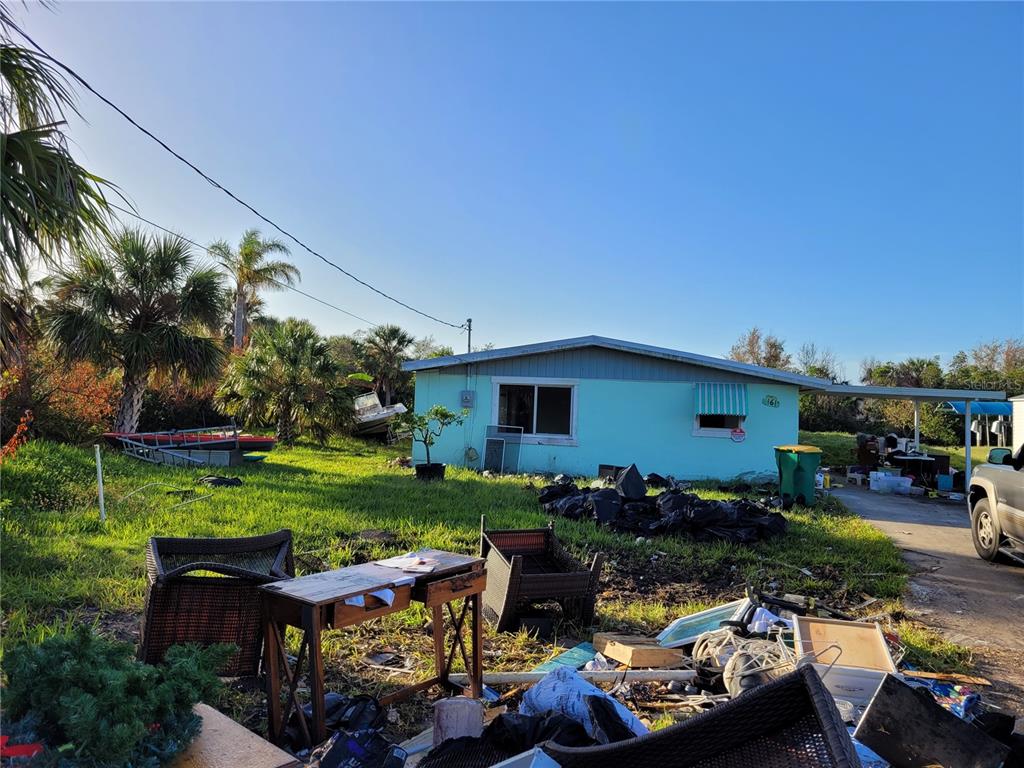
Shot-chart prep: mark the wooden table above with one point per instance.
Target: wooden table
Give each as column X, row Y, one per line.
column 316, row 602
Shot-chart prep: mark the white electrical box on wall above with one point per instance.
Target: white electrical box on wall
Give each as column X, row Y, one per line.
column 468, row 398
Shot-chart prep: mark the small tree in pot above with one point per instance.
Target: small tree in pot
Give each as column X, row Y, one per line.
column 420, row 425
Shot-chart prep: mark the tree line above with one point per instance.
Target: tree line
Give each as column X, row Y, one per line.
column 994, row 365
column 134, row 328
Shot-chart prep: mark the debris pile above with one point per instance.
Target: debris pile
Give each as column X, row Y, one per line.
column 779, row 664
column 627, row 507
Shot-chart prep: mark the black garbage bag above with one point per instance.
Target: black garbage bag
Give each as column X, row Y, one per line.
column 362, row 749
column 518, row 733
column 609, row 726
column 638, row 517
column 550, row 493
column 630, row 483
column 341, row 713
column 675, row 502
column 654, row 480
column 603, row 505
column 571, row 506
column 771, row 524
column 705, row 513
column 506, row 736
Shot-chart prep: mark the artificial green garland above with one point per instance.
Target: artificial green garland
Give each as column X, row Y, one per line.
column 92, row 705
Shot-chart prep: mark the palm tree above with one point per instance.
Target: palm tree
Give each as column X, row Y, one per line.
column 288, row 378
column 252, row 273
column 144, row 303
column 384, row 351
column 48, row 203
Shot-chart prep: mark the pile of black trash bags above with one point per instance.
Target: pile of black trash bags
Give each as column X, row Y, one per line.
column 628, row 508
column 511, row 734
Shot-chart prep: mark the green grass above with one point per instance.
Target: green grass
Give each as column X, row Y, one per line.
column 60, row 564
column 839, row 449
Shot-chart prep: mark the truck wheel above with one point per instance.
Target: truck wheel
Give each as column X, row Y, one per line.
column 985, row 530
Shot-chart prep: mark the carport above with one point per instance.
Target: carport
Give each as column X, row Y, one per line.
column 917, row 395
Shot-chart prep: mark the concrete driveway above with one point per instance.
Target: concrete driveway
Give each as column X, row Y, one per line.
column 966, row 599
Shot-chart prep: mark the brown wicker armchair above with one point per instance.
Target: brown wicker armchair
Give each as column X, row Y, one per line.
column 205, row 591
column 530, row 565
column 791, row 722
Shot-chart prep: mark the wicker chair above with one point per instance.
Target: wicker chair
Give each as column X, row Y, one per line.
column 791, row 722
column 530, row 565
column 205, row 591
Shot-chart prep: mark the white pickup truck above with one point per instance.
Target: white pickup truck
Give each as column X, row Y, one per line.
column 996, row 504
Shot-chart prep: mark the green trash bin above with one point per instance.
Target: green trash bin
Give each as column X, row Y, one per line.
column 798, row 465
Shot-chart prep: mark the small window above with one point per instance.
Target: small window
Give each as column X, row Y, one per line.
column 540, row 410
column 718, row 421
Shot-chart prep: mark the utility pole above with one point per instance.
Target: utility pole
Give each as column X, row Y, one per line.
column 469, row 335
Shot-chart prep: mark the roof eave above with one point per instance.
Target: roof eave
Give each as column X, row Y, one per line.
column 911, row 393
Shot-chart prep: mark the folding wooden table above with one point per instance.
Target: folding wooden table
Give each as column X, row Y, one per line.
column 316, row 602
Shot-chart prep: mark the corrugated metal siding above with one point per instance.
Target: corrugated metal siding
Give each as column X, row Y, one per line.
column 597, row 363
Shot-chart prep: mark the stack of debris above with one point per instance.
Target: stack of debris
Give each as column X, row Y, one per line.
column 628, row 507
column 760, row 677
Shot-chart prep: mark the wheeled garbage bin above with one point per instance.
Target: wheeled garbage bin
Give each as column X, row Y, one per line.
column 798, row 465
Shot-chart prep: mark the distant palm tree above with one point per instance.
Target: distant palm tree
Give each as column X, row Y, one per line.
column 48, row 203
column 289, row 379
column 252, row 273
column 384, row 350
column 143, row 303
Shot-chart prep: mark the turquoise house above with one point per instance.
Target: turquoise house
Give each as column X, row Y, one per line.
column 576, row 405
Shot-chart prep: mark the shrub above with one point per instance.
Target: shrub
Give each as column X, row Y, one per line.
column 69, row 402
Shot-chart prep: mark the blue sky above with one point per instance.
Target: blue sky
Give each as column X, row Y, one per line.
column 665, row 173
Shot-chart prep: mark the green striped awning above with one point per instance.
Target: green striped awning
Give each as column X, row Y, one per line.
column 720, row 398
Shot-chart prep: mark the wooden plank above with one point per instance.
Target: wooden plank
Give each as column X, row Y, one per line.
column 594, row 676
column 223, row 743
column 946, row 677
column 636, row 651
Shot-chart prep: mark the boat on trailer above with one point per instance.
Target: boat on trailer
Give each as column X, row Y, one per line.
column 214, row 446
column 372, row 418
column 218, row 438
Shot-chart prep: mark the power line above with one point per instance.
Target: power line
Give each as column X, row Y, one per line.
column 217, row 184
column 275, row 282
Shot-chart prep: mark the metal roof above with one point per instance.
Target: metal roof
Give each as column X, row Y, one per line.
column 745, row 369
column 978, row 409
column 911, row 393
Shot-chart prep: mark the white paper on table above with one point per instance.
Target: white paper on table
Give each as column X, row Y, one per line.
column 411, row 562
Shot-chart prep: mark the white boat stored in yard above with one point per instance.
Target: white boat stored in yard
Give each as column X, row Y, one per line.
column 372, row 418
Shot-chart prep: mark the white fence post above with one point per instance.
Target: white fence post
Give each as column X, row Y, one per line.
column 99, row 482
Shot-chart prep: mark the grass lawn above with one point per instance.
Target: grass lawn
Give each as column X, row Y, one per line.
column 346, row 504
column 840, row 449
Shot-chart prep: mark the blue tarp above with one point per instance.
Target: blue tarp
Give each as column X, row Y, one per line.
column 978, row 408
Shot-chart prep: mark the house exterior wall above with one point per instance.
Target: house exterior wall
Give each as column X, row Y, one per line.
column 620, row 421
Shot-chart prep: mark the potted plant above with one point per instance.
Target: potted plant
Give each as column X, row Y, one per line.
column 425, row 428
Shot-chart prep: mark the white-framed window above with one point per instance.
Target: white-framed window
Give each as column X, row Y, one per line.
column 544, row 408
column 720, row 409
